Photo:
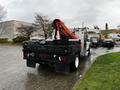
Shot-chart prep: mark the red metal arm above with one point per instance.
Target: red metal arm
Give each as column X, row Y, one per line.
column 63, row 31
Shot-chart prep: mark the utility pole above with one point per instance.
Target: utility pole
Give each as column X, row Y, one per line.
column 106, row 30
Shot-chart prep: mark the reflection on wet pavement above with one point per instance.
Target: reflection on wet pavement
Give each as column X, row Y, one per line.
column 14, row 75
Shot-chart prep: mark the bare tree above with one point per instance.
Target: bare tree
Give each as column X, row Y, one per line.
column 26, row 31
column 43, row 24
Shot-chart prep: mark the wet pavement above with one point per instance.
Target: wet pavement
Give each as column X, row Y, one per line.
column 14, row 75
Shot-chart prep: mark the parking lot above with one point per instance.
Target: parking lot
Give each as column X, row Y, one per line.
column 14, row 75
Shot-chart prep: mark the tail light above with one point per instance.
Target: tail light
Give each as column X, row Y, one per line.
column 63, row 59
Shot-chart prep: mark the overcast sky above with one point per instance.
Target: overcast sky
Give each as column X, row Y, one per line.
column 72, row 12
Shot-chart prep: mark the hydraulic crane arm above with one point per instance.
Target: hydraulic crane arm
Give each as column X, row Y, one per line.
column 62, row 30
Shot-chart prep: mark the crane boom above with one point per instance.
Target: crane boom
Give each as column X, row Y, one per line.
column 62, row 30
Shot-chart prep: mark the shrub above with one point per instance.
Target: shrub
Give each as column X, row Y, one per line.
column 19, row 39
column 3, row 40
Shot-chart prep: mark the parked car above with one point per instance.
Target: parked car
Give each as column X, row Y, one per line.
column 117, row 43
column 108, row 43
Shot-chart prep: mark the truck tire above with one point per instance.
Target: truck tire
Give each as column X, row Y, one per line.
column 75, row 64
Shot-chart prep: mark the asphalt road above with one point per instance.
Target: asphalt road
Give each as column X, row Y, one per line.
column 14, row 75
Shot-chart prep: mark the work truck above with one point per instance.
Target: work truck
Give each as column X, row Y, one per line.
column 62, row 51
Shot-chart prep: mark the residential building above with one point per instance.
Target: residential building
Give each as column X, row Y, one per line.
column 9, row 29
column 111, row 33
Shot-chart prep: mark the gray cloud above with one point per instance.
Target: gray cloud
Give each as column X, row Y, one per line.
column 72, row 12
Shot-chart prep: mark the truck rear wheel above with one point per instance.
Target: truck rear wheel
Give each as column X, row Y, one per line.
column 75, row 64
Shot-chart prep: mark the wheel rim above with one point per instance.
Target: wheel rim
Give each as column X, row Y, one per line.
column 76, row 62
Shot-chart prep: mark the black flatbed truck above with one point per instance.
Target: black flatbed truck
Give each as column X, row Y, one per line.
column 63, row 53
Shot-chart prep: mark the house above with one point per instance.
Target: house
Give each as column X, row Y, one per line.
column 111, row 33
column 9, row 29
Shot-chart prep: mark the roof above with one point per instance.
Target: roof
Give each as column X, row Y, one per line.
column 14, row 21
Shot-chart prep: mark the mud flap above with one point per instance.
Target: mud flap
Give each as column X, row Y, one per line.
column 62, row 68
column 31, row 63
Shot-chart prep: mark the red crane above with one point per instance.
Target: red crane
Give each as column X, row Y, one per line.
column 62, row 32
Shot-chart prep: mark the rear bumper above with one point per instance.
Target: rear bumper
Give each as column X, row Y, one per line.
column 49, row 58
